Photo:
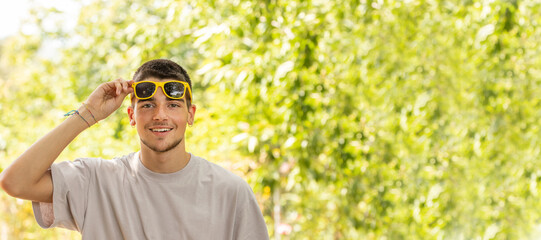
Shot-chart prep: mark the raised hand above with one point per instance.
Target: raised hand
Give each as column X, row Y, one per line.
column 108, row 97
column 29, row 177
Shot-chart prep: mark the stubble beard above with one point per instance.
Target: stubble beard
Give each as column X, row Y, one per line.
column 165, row 149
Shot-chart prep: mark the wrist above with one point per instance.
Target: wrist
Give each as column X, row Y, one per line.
column 77, row 114
column 87, row 113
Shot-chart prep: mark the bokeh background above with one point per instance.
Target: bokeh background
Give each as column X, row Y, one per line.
column 352, row 119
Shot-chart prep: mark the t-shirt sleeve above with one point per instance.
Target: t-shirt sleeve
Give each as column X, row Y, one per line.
column 249, row 222
column 70, row 190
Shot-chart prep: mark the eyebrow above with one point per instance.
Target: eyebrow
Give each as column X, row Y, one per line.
column 145, row 100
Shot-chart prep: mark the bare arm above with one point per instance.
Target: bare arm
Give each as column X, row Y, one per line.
column 28, row 177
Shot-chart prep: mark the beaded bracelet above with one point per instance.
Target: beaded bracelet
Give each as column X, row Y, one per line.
column 73, row 112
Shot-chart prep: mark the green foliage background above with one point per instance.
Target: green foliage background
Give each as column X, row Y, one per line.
column 360, row 119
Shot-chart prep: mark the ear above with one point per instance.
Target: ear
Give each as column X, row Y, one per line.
column 131, row 115
column 191, row 114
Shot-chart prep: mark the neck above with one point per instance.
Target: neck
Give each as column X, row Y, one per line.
column 165, row 162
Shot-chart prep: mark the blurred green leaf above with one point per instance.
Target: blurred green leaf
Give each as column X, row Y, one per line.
column 371, row 119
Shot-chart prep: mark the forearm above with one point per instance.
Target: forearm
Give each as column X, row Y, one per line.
column 24, row 174
column 28, row 176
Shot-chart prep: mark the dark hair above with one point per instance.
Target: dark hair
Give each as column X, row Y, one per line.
column 163, row 69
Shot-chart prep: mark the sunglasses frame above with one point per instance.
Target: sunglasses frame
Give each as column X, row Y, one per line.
column 162, row 84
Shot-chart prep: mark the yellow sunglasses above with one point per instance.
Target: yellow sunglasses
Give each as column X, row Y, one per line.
column 172, row 89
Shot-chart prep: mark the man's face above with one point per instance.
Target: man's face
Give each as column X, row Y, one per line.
column 161, row 121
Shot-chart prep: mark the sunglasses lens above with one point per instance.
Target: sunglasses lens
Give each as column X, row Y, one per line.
column 175, row 90
column 145, row 89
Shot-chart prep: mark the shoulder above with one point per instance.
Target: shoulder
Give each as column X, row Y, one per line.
column 220, row 176
column 92, row 164
column 217, row 170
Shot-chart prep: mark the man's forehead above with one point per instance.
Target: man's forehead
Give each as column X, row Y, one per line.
column 155, row 79
column 152, row 99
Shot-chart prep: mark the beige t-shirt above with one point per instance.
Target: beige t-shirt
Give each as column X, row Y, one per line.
column 122, row 199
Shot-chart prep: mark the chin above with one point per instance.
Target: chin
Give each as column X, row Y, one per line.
column 162, row 148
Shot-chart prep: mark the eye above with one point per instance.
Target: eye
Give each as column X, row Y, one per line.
column 174, row 105
column 146, row 105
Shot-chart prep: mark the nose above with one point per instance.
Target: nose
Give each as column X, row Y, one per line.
column 160, row 112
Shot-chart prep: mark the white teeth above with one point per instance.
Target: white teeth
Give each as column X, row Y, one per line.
column 160, row 130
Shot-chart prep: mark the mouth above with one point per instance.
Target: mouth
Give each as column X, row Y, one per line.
column 161, row 129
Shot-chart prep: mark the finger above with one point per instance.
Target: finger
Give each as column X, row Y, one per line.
column 130, row 84
column 118, row 87
column 125, row 86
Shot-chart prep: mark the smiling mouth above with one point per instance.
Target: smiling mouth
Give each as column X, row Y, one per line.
column 161, row 129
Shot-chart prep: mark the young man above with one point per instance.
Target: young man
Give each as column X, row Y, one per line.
column 160, row 192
